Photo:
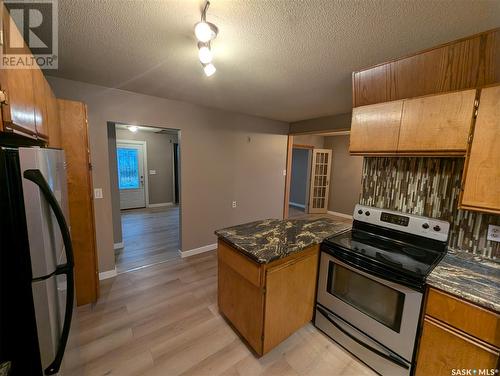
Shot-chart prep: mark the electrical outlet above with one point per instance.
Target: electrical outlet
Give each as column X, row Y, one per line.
column 493, row 233
column 234, row 204
column 97, row 192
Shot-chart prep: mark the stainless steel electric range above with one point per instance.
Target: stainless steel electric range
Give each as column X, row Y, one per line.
column 371, row 283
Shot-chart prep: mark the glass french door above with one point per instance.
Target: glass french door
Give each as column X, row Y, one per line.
column 130, row 163
column 320, row 181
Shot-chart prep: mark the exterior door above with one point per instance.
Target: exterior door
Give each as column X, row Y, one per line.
column 320, row 181
column 130, row 161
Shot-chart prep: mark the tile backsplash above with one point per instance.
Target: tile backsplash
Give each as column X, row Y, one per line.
column 429, row 187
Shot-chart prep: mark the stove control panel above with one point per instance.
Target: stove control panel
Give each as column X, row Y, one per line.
column 413, row 224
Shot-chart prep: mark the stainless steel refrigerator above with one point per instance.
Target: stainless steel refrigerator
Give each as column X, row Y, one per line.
column 36, row 262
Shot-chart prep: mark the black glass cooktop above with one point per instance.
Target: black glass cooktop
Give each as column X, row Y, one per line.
column 404, row 259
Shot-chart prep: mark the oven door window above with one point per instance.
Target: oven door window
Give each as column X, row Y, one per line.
column 380, row 302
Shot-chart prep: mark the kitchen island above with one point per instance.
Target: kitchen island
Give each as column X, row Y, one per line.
column 267, row 272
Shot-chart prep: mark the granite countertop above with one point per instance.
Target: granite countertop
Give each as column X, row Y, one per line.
column 272, row 239
column 469, row 277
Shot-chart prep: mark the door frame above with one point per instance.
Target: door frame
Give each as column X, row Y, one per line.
column 289, row 151
column 144, row 162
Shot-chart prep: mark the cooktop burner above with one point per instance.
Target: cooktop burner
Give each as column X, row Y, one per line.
column 405, row 258
column 396, row 246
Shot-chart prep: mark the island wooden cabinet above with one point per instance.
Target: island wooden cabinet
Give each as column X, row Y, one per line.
column 266, row 303
column 457, row 335
column 481, row 180
column 431, row 125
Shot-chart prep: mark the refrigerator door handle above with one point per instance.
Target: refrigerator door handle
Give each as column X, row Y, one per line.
column 36, row 177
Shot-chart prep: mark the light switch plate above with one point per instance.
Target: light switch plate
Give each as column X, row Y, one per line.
column 152, row 172
column 97, row 192
column 493, row 233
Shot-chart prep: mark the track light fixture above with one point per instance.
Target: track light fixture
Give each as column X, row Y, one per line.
column 205, row 32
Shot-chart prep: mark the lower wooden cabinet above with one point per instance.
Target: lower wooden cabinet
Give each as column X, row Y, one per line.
column 457, row 335
column 443, row 349
column 266, row 303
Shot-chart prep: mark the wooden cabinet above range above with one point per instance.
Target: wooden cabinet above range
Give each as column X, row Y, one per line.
column 467, row 63
column 431, row 125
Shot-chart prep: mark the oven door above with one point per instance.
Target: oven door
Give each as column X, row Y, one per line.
column 383, row 310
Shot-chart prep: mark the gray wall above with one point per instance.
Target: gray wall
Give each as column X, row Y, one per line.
column 225, row 156
column 345, row 177
column 298, row 181
column 322, row 124
column 113, row 183
column 309, row 139
column 160, row 151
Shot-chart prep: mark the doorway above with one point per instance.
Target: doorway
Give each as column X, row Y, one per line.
column 323, row 179
column 145, row 190
column 130, row 164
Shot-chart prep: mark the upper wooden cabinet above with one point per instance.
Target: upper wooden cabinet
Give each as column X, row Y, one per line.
column 375, row 128
column 481, row 183
column 31, row 107
column 437, row 123
column 467, row 63
column 432, row 125
column 19, row 112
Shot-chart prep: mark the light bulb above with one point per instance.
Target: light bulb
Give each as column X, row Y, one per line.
column 205, row 55
column 209, row 69
column 204, row 32
column 133, row 128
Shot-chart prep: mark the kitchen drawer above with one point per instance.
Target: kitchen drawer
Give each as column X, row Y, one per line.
column 469, row 318
column 442, row 349
column 248, row 269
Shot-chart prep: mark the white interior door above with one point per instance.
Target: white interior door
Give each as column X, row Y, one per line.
column 320, row 181
column 130, row 161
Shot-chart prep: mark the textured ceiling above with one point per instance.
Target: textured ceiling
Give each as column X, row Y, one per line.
column 286, row 60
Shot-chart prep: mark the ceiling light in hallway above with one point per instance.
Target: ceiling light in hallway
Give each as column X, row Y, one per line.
column 205, row 32
column 209, row 69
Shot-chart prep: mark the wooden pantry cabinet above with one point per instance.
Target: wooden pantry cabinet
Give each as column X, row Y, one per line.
column 75, row 142
column 266, row 303
column 457, row 335
column 431, row 125
column 481, row 179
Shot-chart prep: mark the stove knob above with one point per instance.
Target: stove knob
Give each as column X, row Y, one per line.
column 360, row 211
column 367, row 213
column 425, row 225
column 437, row 228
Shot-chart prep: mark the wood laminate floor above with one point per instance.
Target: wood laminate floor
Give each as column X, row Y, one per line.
column 150, row 236
column 163, row 320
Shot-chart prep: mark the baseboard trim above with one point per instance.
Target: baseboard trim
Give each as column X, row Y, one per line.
column 107, row 274
column 337, row 214
column 297, row 205
column 161, row 204
column 118, row 245
column 197, row 251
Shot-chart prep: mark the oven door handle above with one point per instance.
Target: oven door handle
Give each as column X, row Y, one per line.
column 388, row 356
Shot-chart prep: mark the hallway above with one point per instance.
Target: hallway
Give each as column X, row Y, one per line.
column 150, row 236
